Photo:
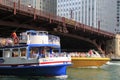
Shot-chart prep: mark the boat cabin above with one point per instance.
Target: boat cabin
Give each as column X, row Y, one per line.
column 33, row 53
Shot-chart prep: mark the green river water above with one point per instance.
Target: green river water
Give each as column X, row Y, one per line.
column 111, row 71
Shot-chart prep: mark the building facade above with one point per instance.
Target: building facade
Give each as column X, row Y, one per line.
column 44, row 5
column 96, row 13
column 47, row 6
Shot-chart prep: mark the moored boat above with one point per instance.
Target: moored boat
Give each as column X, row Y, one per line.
column 33, row 53
column 90, row 59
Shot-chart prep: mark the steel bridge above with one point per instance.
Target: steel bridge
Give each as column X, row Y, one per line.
column 74, row 35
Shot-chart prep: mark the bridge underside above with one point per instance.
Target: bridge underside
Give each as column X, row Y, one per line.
column 68, row 43
column 72, row 44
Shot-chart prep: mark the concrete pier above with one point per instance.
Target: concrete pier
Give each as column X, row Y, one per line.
column 115, row 58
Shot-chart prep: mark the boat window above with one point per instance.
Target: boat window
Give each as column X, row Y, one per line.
column 23, row 37
column 7, row 53
column 47, row 52
column 45, row 33
column 1, row 53
column 34, row 52
column 23, row 52
column 33, row 33
column 42, row 33
column 15, row 53
column 55, row 52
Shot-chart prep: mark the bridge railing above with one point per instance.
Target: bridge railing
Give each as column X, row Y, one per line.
column 7, row 3
column 39, row 13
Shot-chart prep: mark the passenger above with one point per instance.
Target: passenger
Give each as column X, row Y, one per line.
column 23, row 53
column 42, row 53
column 34, row 54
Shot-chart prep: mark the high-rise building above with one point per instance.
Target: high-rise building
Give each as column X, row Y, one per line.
column 117, row 29
column 96, row 13
column 44, row 5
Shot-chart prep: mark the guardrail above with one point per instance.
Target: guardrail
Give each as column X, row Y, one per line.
column 16, row 6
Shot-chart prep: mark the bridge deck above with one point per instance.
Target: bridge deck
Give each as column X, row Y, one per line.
column 19, row 9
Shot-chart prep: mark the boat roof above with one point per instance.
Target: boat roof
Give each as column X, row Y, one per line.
column 44, row 45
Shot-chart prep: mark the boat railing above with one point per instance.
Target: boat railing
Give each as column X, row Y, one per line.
column 34, row 37
column 23, row 37
column 38, row 37
column 85, row 54
column 47, row 55
column 54, row 39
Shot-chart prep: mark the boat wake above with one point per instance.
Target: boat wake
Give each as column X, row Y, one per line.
column 61, row 77
column 113, row 63
column 94, row 67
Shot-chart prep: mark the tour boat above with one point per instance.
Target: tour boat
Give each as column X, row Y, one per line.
column 89, row 59
column 33, row 53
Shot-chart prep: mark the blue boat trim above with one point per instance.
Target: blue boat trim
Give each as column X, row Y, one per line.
column 44, row 45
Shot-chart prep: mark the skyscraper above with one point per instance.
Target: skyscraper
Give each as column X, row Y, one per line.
column 44, row 5
column 96, row 13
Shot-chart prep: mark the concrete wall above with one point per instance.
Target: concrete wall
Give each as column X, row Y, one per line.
column 117, row 44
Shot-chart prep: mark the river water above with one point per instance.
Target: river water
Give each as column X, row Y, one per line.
column 111, row 71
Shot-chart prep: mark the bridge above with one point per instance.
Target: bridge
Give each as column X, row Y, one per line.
column 75, row 36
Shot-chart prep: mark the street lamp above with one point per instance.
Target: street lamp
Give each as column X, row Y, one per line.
column 71, row 14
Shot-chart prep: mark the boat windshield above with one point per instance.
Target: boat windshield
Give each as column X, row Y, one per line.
column 43, row 52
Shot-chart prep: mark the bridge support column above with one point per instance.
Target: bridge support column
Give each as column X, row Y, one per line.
column 113, row 46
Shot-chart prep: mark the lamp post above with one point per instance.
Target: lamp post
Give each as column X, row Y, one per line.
column 98, row 25
column 71, row 14
column 18, row 4
column 35, row 3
